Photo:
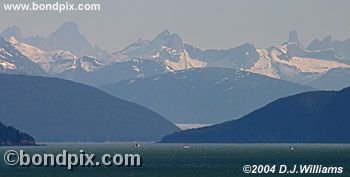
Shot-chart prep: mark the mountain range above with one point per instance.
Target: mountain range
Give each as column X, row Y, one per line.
column 67, row 53
column 13, row 61
column 290, row 61
column 341, row 48
column 66, row 37
column 181, row 82
column 311, row 117
column 204, row 95
column 56, row 110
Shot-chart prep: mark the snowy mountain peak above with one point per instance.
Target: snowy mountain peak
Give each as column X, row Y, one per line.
column 293, row 63
column 166, row 48
column 89, row 63
column 55, row 62
column 13, row 61
column 292, row 50
column 31, row 52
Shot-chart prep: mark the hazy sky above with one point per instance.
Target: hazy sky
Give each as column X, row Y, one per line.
column 205, row 23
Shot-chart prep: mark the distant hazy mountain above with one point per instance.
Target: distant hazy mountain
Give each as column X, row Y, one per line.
column 341, row 48
column 12, row 31
column 10, row 136
column 241, row 57
column 13, row 61
column 313, row 117
column 326, row 43
column 57, row 110
column 67, row 37
column 204, row 96
column 334, row 79
column 290, row 61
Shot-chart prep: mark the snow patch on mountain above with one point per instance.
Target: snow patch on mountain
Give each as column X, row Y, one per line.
column 90, row 63
column 29, row 51
column 303, row 63
column 7, row 65
column 312, row 65
column 184, row 62
column 166, row 48
column 264, row 65
column 55, row 62
column 14, row 62
column 3, row 51
column 291, row 62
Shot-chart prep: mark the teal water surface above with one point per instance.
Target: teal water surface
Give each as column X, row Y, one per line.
column 199, row 160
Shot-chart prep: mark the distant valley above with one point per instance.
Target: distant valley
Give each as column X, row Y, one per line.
column 311, row 117
column 206, row 95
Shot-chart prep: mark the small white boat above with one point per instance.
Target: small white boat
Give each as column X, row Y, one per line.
column 186, row 147
column 137, row 145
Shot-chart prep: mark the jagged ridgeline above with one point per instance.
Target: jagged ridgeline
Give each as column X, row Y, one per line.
column 66, row 53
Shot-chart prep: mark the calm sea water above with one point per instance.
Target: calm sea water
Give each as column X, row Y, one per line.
column 173, row 160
